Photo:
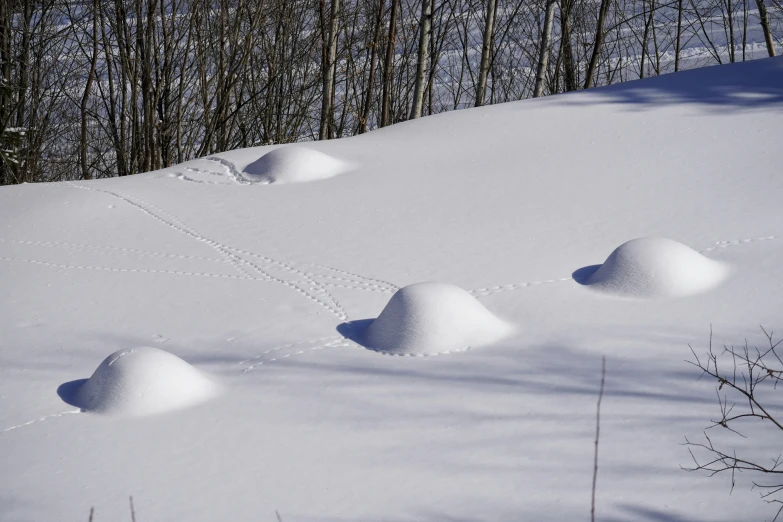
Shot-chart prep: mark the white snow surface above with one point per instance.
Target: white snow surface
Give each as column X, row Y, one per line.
column 143, row 381
column 656, row 268
column 433, row 318
column 254, row 285
column 293, row 164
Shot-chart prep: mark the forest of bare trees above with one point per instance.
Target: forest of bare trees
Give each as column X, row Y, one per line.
column 101, row 88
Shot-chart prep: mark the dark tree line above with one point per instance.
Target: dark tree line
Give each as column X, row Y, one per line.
column 101, row 88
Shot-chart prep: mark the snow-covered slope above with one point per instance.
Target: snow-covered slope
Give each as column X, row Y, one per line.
column 264, row 286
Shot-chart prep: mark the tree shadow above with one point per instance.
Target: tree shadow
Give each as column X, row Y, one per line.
column 748, row 85
column 627, row 512
column 648, row 514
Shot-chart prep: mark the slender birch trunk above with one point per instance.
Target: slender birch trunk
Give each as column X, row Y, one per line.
column 543, row 55
column 388, row 66
column 486, row 53
column 765, row 27
column 93, row 63
column 425, row 25
column 599, row 42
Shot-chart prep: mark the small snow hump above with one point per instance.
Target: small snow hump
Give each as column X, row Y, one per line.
column 656, row 268
column 293, row 164
column 433, row 318
column 143, row 381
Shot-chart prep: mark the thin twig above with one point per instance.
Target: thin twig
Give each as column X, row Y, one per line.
column 597, row 435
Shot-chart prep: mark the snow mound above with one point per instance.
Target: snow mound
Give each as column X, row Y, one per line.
column 655, row 268
column 143, row 381
column 433, row 318
column 293, row 164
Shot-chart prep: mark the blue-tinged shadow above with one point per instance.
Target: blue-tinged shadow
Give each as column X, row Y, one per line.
column 746, row 85
column 581, row 275
column 68, row 392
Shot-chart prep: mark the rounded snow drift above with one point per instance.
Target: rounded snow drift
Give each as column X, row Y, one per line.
column 293, row 164
column 143, row 381
column 433, row 318
column 655, row 268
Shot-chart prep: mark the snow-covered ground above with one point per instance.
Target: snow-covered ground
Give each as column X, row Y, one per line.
column 268, row 291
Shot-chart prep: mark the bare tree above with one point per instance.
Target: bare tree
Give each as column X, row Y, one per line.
column 750, row 376
column 172, row 80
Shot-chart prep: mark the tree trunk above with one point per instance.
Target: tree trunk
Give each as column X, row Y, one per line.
column 486, row 53
column 765, row 27
column 425, row 25
column 5, row 62
column 543, row 55
column 329, row 67
column 371, row 79
column 93, row 63
column 744, row 27
column 647, row 23
column 599, row 42
column 679, row 37
column 24, row 64
column 388, row 66
column 655, row 40
column 569, row 69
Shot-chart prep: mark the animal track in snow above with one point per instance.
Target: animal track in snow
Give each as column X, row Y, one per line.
column 340, row 312
column 202, row 171
column 335, row 343
column 506, row 288
column 175, row 224
column 42, row 419
column 232, row 170
column 238, row 262
column 344, row 272
column 184, row 177
column 133, row 270
column 736, row 242
column 97, row 248
column 291, row 345
column 309, row 276
column 363, row 288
